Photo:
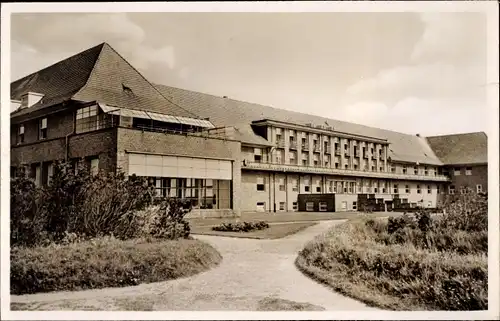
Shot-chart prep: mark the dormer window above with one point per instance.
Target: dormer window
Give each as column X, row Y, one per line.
column 20, row 137
column 43, row 129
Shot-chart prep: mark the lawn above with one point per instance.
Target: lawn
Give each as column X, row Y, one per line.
column 404, row 264
column 107, row 262
column 286, row 217
column 275, row 231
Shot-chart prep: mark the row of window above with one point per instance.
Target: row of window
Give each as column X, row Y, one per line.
column 42, row 131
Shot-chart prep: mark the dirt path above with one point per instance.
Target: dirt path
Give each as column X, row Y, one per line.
column 254, row 275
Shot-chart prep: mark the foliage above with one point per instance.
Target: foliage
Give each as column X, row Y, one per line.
column 106, row 262
column 241, row 226
column 421, row 261
column 78, row 203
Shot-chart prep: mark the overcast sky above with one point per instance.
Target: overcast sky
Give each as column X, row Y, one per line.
column 408, row 72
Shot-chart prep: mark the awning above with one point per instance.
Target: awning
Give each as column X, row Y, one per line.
column 155, row 116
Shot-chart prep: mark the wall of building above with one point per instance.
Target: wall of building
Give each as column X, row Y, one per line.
column 250, row 195
column 478, row 176
column 133, row 140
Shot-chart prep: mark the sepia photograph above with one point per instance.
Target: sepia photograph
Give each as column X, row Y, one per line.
column 237, row 160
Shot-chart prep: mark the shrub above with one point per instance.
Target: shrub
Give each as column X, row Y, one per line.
column 87, row 206
column 241, row 226
column 106, row 262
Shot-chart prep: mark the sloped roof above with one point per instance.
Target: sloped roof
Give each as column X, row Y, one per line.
column 467, row 148
column 230, row 112
column 97, row 74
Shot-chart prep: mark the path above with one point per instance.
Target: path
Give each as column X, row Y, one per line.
column 251, row 272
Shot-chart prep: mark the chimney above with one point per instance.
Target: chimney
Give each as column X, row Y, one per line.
column 418, row 135
column 30, row 98
column 224, row 96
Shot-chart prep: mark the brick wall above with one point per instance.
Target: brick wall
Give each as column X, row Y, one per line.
column 479, row 176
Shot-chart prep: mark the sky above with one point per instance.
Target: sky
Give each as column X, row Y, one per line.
column 409, row 72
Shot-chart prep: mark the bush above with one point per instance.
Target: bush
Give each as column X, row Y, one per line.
column 241, row 226
column 410, row 262
column 106, row 262
column 88, row 206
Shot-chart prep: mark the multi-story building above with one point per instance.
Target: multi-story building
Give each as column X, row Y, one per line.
column 225, row 155
column 465, row 160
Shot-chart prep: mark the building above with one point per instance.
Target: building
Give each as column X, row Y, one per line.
column 465, row 160
column 225, row 155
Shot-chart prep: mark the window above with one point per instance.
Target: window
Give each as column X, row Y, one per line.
column 351, row 187
column 309, row 206
column 20, row 138
column 94, row 166
column 330, row 187
column 261, row 184
column 336, row 165
column 456, row 172
column 261, row 206
column 257, row 155
column 355, row 166
column 381, row 169
column 294, row 206
column 426, row 171
column 346, row 166
column 292, row 158
column 415, row 170
column 375, row 190
column 282, row 185
column 282, row 206
column 419, row 191
column 479, row 188
column 384, row 190
column 50, row 172
column 373, row 168
column 407, row 189
column 306, row 188
column 43, row 129
column 393, row 169
column 468, row 171
column 318, row 189
column 295, row 185
column 279, row 157
column 323, row 207
column 304, row 162
column 87, row 119
column 354, row 205
column 438, row 189
column 451, row 189
column 396, row 190
column 429, row 189
column 404, row 169
column 463, row 190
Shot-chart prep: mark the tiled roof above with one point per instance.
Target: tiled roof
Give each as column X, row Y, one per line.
column 469, row 148
column 230, row 112
column 97, row 74
column 58, row 82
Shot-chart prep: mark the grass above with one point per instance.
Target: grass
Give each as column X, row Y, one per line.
column 107, row 262
column 351, row 260
column 275, row 231
column 287, row 217
column 276, row 304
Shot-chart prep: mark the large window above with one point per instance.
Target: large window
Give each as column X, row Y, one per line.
column 89, row 119
column 202, row 193
column 20, row 137
column 261, row 181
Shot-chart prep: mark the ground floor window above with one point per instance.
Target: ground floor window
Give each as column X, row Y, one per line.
column 294, row 206
column 323, row 207
column 310, row 206
column 282, row 206
column 202, row 193
column 479, row 188
column 354, row 205
column 261, row 206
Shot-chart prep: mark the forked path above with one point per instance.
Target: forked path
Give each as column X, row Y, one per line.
column 251, row 273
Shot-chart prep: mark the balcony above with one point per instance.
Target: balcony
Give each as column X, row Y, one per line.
column 316, row 148
column 337, row 171
column 356, row 154
column 365, row 156
column 293, row 145
column 337, row 152
column 328, row 150
column 347, row 154
column 280, row 143
column 374, row 157
column 305, row 147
